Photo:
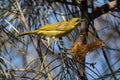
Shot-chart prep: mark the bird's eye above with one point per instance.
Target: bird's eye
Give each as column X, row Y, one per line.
column 77, row 20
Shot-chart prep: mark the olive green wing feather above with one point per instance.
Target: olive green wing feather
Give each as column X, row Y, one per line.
column 54, row 27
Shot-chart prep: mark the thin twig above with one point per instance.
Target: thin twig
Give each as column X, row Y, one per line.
column 22, row 17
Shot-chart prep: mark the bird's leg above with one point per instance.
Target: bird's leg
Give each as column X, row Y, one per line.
column 49, row 42
column 61, row 42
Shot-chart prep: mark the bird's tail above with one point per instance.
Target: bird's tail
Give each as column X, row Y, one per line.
column 26, row 33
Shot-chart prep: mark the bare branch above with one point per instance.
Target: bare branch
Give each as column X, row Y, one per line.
column 99, row 11
column 22, row 17
column 104, row 9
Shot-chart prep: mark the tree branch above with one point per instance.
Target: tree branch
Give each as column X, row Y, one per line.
column 99, row 11
column 104, row 9
column 22, row 17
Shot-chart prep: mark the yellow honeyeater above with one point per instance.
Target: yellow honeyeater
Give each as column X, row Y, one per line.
column 55, row 30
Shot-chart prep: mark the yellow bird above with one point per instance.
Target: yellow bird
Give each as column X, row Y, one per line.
column 55, row 30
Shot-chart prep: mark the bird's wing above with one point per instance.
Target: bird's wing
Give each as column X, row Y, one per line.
column 57, row 26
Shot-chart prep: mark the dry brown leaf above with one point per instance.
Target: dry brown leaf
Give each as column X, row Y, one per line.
column 79, row 50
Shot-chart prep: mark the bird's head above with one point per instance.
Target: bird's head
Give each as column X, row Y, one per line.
column 75, row 21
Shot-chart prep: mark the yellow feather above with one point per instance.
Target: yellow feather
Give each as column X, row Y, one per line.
column 55, row 30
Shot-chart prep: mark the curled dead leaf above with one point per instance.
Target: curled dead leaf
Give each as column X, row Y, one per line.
column 79, row 50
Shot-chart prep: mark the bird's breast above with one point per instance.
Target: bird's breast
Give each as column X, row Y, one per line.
column 52, row 33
